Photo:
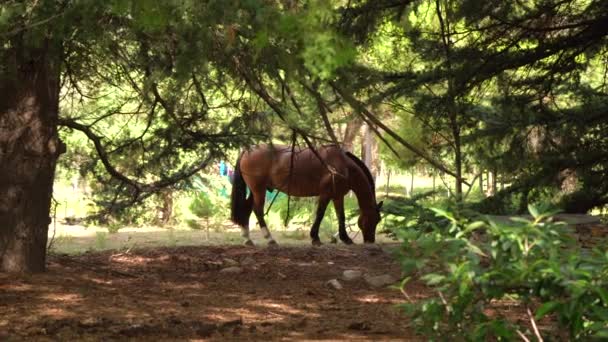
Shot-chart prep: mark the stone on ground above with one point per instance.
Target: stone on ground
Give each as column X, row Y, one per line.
column 233, row 269
column 248, row 261
column 230, row 262
column 335, row 284
column 349, row 275
column 379, row 281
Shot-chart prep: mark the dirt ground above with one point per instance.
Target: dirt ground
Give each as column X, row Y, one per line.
column 187, row 293
column 177, row 293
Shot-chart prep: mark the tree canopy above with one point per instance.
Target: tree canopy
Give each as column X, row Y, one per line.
column 160, row 89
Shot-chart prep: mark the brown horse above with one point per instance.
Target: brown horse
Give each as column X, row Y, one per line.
column 328, row 174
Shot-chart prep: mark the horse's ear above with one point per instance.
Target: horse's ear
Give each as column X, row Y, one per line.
column 379, row 206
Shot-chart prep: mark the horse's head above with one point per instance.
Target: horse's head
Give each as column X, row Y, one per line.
column 368, row 222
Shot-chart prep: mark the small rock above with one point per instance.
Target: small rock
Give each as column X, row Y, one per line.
column 134, row 330
column 233, row 270
column 248, row 261
column 174, row 320
column 230, row 262
column 234, row 324
column 361, row 326
column 213, row 265
column 373, row 249
column 349, row 275
column 335, row 284
column 281, row 275
column 205, row 329
column 89, row 322
column 379, row 281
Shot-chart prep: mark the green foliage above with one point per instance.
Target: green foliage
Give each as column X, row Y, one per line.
column 410, row 213
column 113, row 227
column 101, row 239
column 202, row 206
column 471, row 263
column 210, row 200
column 302, row 213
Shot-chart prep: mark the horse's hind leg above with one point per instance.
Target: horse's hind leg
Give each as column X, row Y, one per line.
column 314, row 231
column 339, row 206
column 245, row 229
column 258, row 209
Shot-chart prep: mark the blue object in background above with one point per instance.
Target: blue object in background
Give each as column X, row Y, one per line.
column 223, row 169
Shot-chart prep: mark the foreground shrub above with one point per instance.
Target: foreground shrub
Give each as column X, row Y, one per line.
column 471, row 263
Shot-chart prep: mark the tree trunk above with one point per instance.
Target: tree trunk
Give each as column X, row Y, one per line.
column 457, row 157
column 369, row 151
column 350, row 133
column 388, row 180
column 481, row 182
column 491, row 181
column 434, row 182
column 412, row 182
column 29, row 147
column 167, row 208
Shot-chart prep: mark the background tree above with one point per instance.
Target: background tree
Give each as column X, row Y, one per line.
column 161, row 89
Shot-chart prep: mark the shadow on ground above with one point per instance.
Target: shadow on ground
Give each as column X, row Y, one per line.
column 188, row 293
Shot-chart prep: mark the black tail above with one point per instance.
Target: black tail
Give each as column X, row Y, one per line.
column 240, row 205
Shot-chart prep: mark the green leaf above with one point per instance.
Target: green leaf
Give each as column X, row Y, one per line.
column 533, row 210
column 443, row 213
column 546, row 308
column 603, row 293
column 475, row 249
column 433, row 278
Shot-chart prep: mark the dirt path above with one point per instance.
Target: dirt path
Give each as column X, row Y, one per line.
column 182, row 293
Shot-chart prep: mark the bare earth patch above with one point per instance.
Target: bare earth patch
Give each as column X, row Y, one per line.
column 181, row 293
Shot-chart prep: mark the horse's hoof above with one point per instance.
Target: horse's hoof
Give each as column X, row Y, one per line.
column 316, row 242
column 248, row 243
column 334, row 240
column 272, row 243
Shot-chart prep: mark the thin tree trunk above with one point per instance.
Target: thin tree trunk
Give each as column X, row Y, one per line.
column 491, row 181
column 443, row 10
column 481, row 182
column 412, row 182
column 350, row 133
column 29, row 148
column 494, row 181
column 388, row 180
column 458, row 157
column 167, row 209
column 366, row 146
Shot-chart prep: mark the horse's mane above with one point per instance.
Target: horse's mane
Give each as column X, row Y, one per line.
column 365, row 170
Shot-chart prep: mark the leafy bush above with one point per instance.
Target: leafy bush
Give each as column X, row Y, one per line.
column 209, row 200
column 407, row 213
column 473, row 262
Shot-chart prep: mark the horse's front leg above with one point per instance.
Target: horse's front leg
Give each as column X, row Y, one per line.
column 258, row 209
column 339, row 206
column 314, row 231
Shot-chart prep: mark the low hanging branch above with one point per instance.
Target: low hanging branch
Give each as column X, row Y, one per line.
column 323, row 109
column 136, row 186
column 259, row 89
column 364, row 112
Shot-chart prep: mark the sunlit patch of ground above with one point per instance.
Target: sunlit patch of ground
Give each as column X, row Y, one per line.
column 72, row 239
